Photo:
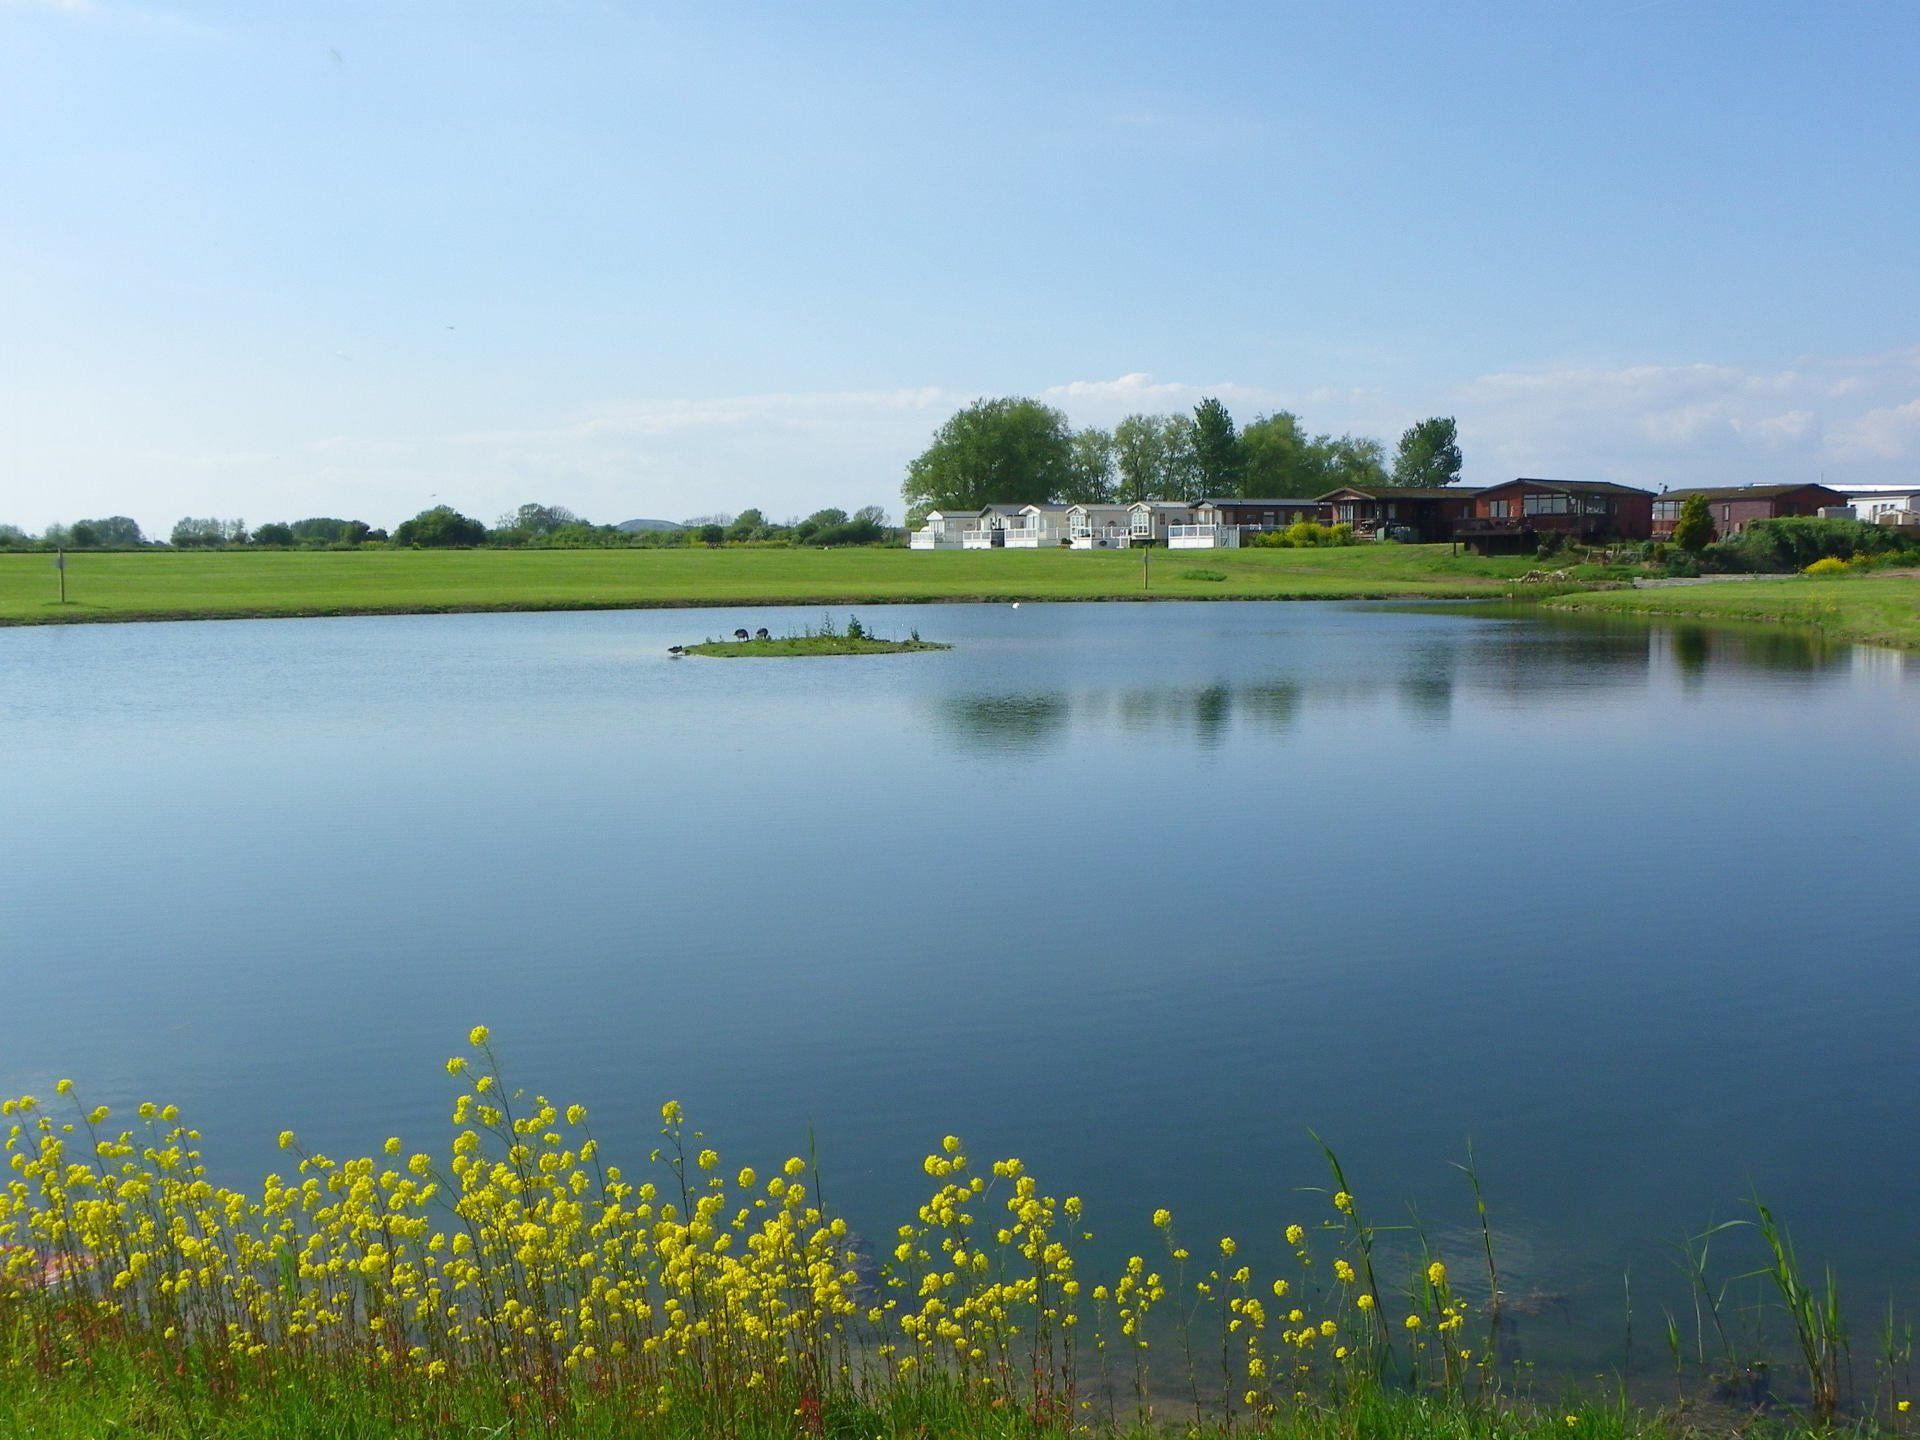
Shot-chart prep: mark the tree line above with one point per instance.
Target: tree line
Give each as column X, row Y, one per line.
column 531, row 526
column 1017, row 450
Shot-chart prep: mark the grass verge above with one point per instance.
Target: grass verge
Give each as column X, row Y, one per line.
column 176, row 585
column 1865, row 609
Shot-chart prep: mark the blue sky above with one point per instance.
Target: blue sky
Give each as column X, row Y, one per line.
column 268, row 260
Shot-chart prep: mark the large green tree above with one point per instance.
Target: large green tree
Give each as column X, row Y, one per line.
column 1218, row 458
column 1154, row 455
column 1348, row 460
column 1429, row 453
column 440, row 527
column 1280, row 460
column 1008, row 451
column 1093, row 479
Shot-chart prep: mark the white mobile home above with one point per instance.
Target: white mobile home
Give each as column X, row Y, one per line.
column 992, row 531
column 1885, row 504
column 1150, row 519
column 1203, row 535
column 944, row 530
column 1099, row 527
column 1037, row 527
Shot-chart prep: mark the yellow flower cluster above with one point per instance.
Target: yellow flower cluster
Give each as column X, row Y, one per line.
column 524, row 1253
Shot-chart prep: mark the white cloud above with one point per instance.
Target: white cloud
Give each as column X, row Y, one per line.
column 1889, row 433
column 1669, row 424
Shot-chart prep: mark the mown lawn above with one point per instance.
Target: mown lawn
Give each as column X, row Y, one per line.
column 1870, row 609
column 209, row 585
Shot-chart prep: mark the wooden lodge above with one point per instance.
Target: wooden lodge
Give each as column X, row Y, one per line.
column 1519, row 514
column 1398, row 512
column 1734, row 507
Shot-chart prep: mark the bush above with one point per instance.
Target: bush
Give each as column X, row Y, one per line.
column 1828, row 565
column 1304, row 535
column 1782, row 546
column 441, row 527
column 1694, row 528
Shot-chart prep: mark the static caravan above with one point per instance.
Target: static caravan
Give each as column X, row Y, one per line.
column 1038, row 527
column 944, row 530
column 1149, row 520
column 1885, row 504
column 1099, row 527
column 992, row 531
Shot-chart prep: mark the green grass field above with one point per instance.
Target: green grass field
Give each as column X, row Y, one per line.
column 221, row 584
column 1870, row 609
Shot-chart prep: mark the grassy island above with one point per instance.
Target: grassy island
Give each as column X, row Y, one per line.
column 852, row 639
column 788, row 645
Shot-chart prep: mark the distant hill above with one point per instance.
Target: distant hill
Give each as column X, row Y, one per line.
column 632, row 525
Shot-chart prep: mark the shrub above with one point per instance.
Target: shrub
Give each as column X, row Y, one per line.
column 1828, row 565
column 1694, row 528
column 441, row 527
column 1304, row 535
column 1782, row 546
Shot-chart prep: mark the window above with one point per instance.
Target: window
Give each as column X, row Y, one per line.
column 1546, row 505
column 1499, row 509
column 1666, row 509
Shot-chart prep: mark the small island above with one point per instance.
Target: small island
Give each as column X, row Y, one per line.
column 826, row 639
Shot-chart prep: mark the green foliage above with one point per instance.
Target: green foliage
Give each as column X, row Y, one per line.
column 831, row 527
column 209, row 534
column 530, row 520
column 1218, row 458
column 710, row 534
column 1305, row 535
column 1011, row 450
column 1429, row 453
column 1093, row 478
column 1794, row 542
column 439, row 528
column 114, row 532
column 1695, row 526
column 1279, row 459
column 1155, row 458
column 1348, row 460
column 749, row 524
column 273, row 533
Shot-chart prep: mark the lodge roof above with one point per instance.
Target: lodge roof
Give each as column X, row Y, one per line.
column 1247, row 500
column 1570, row 487
column 1745, row 492
column 1404, row 492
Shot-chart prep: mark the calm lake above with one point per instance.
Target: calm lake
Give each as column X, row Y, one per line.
column 1136, row 892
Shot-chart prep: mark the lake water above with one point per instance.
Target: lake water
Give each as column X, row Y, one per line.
column 1138, row 892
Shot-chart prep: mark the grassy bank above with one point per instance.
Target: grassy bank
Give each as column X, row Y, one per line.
column 521, row 1281
column 216, row 585
column 1866, row 608
column 115, row 1395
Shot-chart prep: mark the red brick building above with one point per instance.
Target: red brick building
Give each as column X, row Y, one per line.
column 1521, row 513
column 1734, row 507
